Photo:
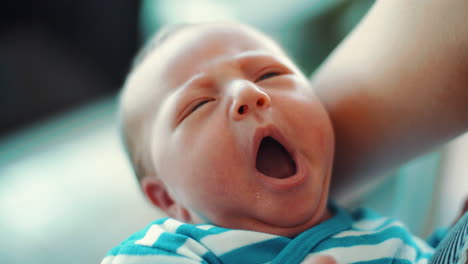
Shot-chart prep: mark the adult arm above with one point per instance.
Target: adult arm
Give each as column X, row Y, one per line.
column 396, row 87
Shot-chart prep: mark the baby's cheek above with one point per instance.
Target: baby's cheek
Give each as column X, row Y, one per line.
column 310, row 125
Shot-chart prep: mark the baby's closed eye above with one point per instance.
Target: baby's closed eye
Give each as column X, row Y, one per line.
column 198, row 104
column 268, row 75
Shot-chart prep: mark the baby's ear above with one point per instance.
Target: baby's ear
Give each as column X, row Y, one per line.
column 156, row 191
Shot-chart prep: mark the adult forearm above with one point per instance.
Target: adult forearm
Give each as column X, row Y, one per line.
column 397, row 86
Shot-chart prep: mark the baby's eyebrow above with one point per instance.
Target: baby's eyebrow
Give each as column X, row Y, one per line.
column 247, row 55
column 196, row 80
column 252, row 60
column 192, row 79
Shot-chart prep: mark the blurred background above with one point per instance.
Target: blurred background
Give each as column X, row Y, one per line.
column 67, row 194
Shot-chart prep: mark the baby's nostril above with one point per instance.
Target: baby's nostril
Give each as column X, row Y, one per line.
column 260, row 102
column 243, row 109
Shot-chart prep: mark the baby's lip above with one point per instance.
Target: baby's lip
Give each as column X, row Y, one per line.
column 277, row 183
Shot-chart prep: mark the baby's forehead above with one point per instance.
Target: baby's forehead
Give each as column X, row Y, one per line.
column 199, row 46
column 189, row 49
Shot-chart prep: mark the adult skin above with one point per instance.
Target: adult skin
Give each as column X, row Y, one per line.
column 396, row 87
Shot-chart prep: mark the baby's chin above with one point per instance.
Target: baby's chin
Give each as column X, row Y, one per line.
column 285, row 224
column 295, row 217
column 290, row 227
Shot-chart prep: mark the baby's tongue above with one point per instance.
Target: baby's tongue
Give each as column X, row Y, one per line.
column 274, row 160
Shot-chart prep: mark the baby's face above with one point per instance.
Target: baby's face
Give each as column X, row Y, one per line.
column 239, row 138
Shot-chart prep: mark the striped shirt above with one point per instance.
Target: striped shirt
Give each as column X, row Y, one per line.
column 359, row 237
column 454, row 247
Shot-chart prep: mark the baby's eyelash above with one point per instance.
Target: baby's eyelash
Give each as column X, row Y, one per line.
column 268, row 75
column 192, row 107
column 198, row 105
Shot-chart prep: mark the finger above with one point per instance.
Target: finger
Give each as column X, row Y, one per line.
column 320, row 259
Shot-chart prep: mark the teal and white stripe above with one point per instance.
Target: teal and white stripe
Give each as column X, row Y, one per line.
column 361, row 237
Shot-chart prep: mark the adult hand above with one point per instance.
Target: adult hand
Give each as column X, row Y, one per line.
column 320, row 259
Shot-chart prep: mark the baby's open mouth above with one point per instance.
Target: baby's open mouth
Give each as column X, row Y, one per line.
column 274, row 160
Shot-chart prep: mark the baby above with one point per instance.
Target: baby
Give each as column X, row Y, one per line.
column 227, row 137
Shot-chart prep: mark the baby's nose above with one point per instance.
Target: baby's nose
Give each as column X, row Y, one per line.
column 247, row 98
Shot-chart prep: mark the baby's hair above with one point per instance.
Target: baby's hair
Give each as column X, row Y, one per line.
column 129, row 134
column 157, row 40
